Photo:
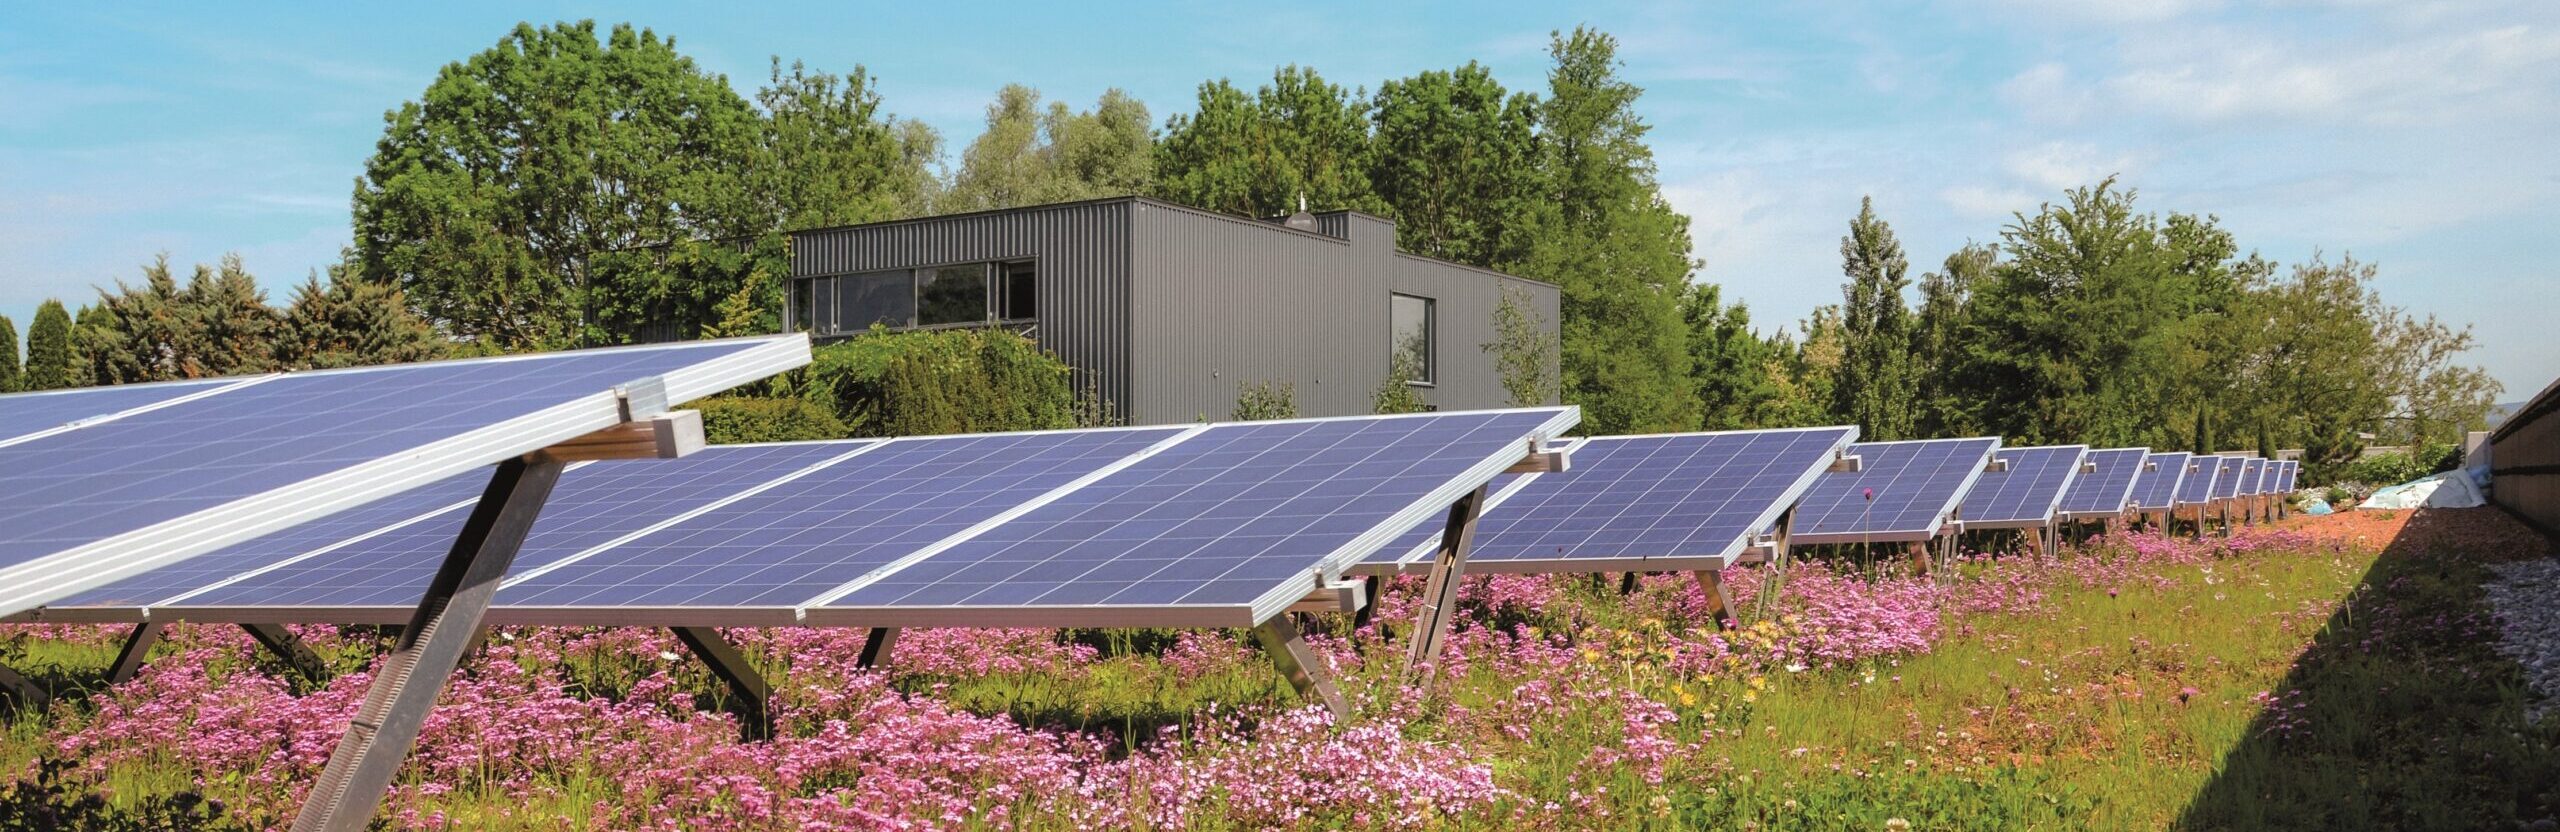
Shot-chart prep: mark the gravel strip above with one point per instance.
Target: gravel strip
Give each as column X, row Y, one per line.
column 2525, row 597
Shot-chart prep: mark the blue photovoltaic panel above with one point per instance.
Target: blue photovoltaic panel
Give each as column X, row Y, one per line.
column 2028, row 492
column 794, row 542
column 2107, row 488
column 2227, row 483
column 1903, row 491
column 1628, row 501
column 2253, row 475
column 449, row 496
column 1225, row 521
column 2292, row 473
column 313, row 436
column 25, row 413
column 2163, row 478
column 593, row 504
column 2201, row 477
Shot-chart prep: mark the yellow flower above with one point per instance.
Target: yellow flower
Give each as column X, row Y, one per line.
column 1758, row 682
column 1750, row 696
column 1687, row 699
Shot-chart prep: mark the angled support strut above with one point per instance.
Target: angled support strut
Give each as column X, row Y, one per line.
column 1440, row 594
column 748, row 687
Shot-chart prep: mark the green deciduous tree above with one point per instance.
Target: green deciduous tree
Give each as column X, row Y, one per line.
column 49, row 362
column 1617, row 253
column 1524, row 351
column 485, row 198
column 1454, row 162
column 1876, row 387
column 1031, row 155
column 1939, row 334
column 833, row 157
column 1737, row 372
column 1298, row 138
column 1395, row 393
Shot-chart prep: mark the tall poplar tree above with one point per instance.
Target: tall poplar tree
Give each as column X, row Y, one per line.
column 1875, row 388
column 9, row 372
column 1617, row 252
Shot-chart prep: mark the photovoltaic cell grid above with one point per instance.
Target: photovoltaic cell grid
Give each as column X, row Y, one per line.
column 788, row 545
column 25, row 413
column 1626, row 502
column 2227, row 483
column 2027, row 493
column 1903, row 491
column 2292, row 472
column 2253, row 475
column 2163, row 478
column 2202, row 475
column 592, row 505
column 1231, row 521
column 102, row 480
column 2107, row 488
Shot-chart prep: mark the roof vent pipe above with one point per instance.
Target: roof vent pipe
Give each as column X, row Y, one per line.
column 1302, row 220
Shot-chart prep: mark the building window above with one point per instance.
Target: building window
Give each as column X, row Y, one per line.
column 1409, row 322
column 886, row 298
column 952, row 295
column 1019, row 290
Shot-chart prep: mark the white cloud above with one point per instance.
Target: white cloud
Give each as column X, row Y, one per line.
column 1981, row 202
column 2058, row 165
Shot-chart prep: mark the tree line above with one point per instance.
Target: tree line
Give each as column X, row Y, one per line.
column 571, row 187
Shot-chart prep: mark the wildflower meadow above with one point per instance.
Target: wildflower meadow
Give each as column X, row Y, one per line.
column 2319, row 673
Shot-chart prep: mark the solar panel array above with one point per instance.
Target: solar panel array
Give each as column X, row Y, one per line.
column 2107, row 488
column 2163, row 478
column 1660, row 502
column 175, row 476
column 1219, row 525
column 2027, row 490
column 23, row 414
column 1903, row 491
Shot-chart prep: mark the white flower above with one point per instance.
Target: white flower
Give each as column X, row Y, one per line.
column 1793, row 667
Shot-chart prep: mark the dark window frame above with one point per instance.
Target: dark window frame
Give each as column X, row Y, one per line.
column 1429, row 375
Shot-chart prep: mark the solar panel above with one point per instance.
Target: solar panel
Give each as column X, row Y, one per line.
column 2202, row 472
column 113, row 498
column 2252, row 476
column 1902, row 491
column 1663, row 502
column 2029, row 490
column 2163, row 477
column 2106, row 489
column 24, row 414
column 1224, row 528
column 2292, row 474
column 593, row 505
column 761, row 557
column 2226, row 484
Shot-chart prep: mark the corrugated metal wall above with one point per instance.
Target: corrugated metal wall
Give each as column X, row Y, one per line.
column 2524, row 461
column 1176, row 308
column 1082, row 249
column 1218, row 302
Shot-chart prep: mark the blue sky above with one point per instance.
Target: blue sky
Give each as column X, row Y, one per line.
column 2413, row 134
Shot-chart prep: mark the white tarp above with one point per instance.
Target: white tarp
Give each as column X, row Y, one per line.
column 2451, row 489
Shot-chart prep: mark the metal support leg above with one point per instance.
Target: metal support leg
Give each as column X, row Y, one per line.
column 1627, row 585
column 1440, row 594
column 378, row 738
column 289, row 647
column 1719, row 604
column 129, row 659
column 1376, row 588
column 876, row 647
column 746, row 685
column 23, row 691
column 1299, row 663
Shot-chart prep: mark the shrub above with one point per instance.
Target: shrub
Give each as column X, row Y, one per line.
column 949, row 381
column 731, row 420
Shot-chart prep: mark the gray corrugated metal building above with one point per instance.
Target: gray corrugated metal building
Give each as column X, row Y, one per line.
column 1174, row 309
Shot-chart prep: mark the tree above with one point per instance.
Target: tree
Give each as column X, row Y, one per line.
column 350, row 322
column 832, row 157
column 218, row 324
column 1453, row 162
column 1030, row 155
column 1738, row 387
column 1524, row 351
column 1808, row 370
column 1875, row 388
column 485, row 198
column 9, row 370
column 1296, row 140
column 2072, row 331
column 2203, row 435
column 1938, row 338
column 947, row 381
column 1396, row 394
column 1617, row 253
column 1264, row 400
